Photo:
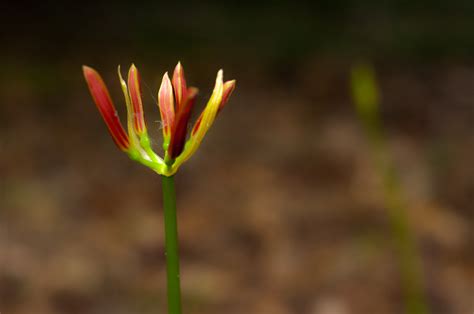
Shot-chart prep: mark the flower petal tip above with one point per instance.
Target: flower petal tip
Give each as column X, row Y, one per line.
column 179, row 86
column 88, row 71
column 229, row 87
column 166, row 104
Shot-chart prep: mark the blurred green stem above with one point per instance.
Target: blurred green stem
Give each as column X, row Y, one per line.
column 171, row 245
column 404, row 239
column 366, row 98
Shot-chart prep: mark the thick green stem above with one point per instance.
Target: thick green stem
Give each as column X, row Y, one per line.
column 171, row 245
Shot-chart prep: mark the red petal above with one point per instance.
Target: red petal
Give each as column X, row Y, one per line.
column 104, row 103
column 178, row 136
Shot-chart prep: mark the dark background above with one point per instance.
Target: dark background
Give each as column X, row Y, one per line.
column 281, row 210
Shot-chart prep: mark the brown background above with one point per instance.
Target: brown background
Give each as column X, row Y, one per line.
column 280, row 210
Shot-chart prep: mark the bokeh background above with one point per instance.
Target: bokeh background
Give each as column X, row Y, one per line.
column 281, row 210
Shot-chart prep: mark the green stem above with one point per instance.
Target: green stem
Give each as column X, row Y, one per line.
column 366, row 99
column 404, row 239
column 171, row 245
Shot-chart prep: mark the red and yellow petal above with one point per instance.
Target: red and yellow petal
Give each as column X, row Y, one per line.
column 203, row 123
column 229, row 87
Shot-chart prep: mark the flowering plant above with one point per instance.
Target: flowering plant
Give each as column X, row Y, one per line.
column 175, row 101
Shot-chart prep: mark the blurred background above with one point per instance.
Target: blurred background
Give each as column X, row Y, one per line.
column 282, row 209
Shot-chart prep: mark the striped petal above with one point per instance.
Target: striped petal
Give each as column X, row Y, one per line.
column 166, row 104
column 179, row 86
column 136, row 100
